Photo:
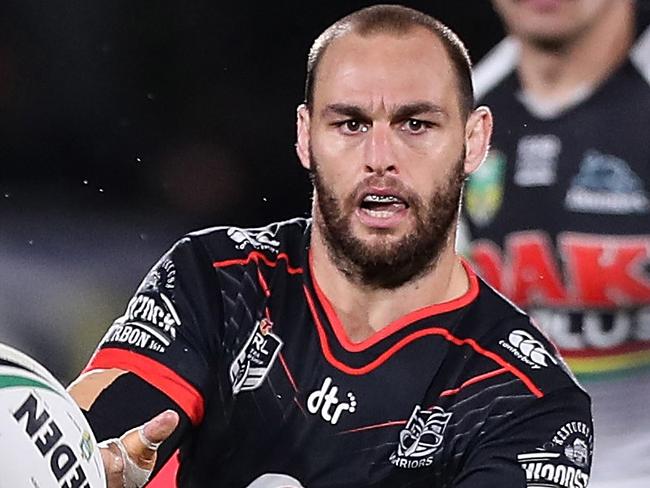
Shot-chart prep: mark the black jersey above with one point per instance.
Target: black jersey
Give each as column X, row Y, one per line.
column 560, row 221
column 233, row 327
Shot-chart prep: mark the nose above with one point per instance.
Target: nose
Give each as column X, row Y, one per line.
column 379, row 153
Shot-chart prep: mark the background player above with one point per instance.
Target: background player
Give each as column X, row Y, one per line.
column 560, row 211
column 277, row 345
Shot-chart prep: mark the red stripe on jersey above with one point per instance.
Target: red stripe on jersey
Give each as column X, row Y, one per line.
column 376, row 426
column 473, row 380
column 382, row 358
column 256, row 256
column 263, row 284
column 165, row 379
column 288, row 372
column 400, row 323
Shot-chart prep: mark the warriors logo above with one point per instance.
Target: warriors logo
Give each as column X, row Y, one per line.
column 421, row 438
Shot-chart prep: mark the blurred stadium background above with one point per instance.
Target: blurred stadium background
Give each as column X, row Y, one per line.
column 125, row 124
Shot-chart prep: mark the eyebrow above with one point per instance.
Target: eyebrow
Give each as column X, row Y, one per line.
column 402, row 112
column 345, row 109
column 417, row 108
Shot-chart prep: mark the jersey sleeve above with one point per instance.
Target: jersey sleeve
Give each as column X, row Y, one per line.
column 170, row 331
column 548, row 443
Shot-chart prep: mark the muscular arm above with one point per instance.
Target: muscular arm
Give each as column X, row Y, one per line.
column 176, row 319
column 87, row 387
column 114, row 401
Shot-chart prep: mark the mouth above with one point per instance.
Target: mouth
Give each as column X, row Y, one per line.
column 379, row 205
column 382, row 208
column 542, row 5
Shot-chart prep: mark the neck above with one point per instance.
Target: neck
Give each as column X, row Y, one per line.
column 364, row 311
column 556, row 75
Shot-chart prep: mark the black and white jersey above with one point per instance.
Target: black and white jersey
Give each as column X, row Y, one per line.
column 559, row 221
column 232, row 326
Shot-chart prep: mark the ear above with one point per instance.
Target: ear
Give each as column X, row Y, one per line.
column 302, row 135
column 478, row 131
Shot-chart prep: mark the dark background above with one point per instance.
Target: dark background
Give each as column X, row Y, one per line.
column 125, row 124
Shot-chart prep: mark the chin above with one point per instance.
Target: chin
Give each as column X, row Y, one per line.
column 381, row 237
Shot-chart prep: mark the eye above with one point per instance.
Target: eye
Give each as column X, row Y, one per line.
column 416, row 126
column 352, row 126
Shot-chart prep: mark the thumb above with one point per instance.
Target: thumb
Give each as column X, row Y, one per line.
column 142, row 442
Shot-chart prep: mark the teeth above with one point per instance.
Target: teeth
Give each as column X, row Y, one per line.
column 381, row 199
column 380, row 214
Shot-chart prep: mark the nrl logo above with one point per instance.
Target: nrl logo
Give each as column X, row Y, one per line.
column 420, row 438
column 252, row 364
column 484, row 189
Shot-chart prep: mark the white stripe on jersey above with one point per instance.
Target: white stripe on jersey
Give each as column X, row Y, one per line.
column 495, row 66
column 640, row 55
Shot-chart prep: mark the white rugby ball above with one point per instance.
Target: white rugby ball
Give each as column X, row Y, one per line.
column 45, row 440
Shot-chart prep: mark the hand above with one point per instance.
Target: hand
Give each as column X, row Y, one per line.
column 129, row 460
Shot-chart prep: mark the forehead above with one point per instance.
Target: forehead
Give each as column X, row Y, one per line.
column 387, row 68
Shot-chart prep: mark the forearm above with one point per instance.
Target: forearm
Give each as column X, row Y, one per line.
column 115, row 401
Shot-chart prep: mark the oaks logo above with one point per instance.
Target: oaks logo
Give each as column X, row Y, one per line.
column 420, row 438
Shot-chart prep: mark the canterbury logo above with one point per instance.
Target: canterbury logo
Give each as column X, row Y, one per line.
column 528, row 349
column 258, row 239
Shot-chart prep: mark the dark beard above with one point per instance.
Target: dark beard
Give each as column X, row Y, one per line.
column 389, row 265
column 555, row 44
column 550, row 45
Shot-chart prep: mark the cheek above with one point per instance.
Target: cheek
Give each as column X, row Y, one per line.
column 433, row 148
column 336, row 161
column 436, row 178
column 426, row 167
column 331, row 176
column 425, row 188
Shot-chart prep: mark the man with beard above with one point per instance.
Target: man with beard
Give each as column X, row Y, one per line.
column 354, row 348
column 563, row 197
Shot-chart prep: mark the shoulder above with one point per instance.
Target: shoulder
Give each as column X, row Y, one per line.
column 511, row 339
column 192, row 260
column 277, row 239
column 529, row 411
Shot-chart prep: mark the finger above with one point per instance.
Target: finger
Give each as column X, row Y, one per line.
column 113, row 467
column 158, row 429
column 141, row 443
